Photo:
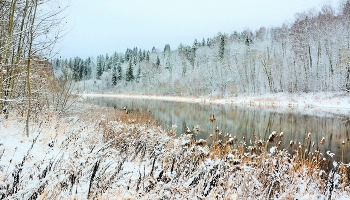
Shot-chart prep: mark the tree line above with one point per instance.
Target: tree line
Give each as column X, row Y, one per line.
column 310, row 54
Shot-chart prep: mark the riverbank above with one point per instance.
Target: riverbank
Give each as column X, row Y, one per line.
column 97, row 152
column 332, row 102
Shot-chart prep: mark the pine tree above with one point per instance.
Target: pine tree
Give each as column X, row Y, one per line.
column 129, row 76
column 114, row 75
column 99, row 67
column 147, row 56
column 77, row 69
column 222, row 46
column 158, row 63
column 115, row 59
column 119, row 71
column 138, row 76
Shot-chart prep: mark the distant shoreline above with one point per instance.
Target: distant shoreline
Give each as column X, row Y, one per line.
column 335, row 102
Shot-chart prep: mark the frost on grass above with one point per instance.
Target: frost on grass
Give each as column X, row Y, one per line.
column 116, row 157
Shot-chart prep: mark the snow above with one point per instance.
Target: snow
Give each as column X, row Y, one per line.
column 67, row 157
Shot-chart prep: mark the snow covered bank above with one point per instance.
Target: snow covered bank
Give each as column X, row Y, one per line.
column 334, row 102
column 101, row 153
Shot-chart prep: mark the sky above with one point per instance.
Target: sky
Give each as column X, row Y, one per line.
column 106, row 26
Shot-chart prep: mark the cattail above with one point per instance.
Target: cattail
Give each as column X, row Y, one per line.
column 220, row 133
column 211, row 135
column 201, row 142
column 212, row 118
column 272, row 136
column 313, row 144
column 308, row 136
column 230, row 141
column 281, row 134
column 291, row 143
column 259, row 143
column 279, row 144
column 300, row 148
column 323, row 140
column 217, row 129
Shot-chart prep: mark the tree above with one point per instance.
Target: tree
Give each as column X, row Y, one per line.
column 129, row 76
column 28, row 32
column 119, row 71
column 166, row 48
column 158, row 63
column 222, row 46
column 99, row 67
column 147, row 56
column 138, row 76
column 114, row 76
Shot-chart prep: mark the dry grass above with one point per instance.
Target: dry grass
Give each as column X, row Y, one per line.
column 135, row 159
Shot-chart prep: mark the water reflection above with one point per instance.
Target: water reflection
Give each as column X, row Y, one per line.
column 243, row 121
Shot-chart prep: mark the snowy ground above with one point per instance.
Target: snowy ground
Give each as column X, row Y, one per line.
column 90, row 153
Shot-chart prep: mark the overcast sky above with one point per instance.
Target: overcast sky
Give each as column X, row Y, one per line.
column 104, row 26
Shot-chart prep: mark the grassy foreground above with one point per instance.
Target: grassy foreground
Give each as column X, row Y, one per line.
column 103, row 153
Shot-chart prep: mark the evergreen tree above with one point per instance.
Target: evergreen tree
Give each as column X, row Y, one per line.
column 114, row 75
column 203, row 42
column 147, row 56
column 158, row 63
column 143, row 55
column 99, row 67
column 138, row 76
column 77, row 69
column 87, row 69
column 129, row 76
column 115, row 59
column 167, row 48
column 140, row 56
column 128, row 54
column 119, row 71
column 222, row 46
column 108, row 63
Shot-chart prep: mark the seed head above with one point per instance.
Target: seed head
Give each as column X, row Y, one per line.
column 281, row 134
column 212, row 118
column 291, row 143
column 323, row 140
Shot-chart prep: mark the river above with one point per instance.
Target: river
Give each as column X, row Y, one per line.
column 241, row 121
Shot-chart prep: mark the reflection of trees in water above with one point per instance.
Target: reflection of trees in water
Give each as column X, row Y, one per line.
column 241, row 122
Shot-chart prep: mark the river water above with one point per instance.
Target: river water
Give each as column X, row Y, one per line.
column 245, row 121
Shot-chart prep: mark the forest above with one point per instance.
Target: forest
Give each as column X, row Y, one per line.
column 54, row 144
column 309, row 54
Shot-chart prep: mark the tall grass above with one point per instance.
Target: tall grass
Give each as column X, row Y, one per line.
column 136, row 159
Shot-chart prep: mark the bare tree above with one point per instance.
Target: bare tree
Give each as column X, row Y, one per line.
column 29, row 30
